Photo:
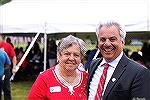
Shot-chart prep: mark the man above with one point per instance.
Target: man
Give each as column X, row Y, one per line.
column 122, row 78
column 12, row 56
column 4, row 63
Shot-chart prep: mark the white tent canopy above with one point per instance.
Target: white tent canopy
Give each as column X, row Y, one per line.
column 54, row 16
column 58, row 16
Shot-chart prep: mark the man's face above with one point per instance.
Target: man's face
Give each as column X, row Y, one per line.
column 110, row 43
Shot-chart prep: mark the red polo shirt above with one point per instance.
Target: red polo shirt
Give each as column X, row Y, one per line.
column 8, row 49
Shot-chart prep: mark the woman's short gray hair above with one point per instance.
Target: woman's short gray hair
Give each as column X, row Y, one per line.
column 68, row 41
column 120, row 27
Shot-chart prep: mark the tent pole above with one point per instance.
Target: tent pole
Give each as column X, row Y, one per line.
column 148, row 15
column 45, row 50
column 27, row 51
column 25, row 54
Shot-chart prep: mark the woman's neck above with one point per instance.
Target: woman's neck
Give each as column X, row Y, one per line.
column 66, row 73
column 70, row 77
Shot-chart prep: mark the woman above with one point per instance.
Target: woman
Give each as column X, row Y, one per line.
column 64, row 80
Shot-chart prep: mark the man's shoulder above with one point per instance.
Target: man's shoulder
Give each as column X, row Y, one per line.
column 135, row 66
column 95, row 63
column 5, row 45
column 2, row 52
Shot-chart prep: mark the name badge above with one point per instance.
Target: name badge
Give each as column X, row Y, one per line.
column 55, row 89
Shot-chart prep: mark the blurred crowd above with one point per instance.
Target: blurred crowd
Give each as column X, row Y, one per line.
column 34, row 62
column 142, row 55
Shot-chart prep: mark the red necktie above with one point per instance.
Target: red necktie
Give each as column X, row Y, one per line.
column 100, row 88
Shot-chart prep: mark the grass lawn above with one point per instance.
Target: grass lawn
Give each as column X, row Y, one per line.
column 20, row 89
column 132, row 48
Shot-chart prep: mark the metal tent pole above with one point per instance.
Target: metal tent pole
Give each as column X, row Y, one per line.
column 45, row 50
column 45, row 46
column 25, row 55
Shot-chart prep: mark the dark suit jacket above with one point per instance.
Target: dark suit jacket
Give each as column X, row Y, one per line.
column 132, row 81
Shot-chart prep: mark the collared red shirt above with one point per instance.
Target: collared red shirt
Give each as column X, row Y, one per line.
column 48, row 87
column 96, row 77
column 8, row 49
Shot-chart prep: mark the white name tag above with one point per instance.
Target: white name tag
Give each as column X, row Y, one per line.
column 55, row 89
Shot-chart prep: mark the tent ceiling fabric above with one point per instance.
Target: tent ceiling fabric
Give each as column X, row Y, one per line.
column 56, row 16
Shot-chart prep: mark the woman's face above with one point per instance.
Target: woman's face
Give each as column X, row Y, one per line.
column 70, row 58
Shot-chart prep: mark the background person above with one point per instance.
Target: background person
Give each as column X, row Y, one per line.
column 52, row 53
column 4, row 63
column 64, row 80
column 91, row 56
column 138, row 58
column 123, row 78
column 7, row 72
column 8, row 40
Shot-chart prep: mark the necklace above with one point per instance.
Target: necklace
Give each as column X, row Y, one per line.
column 63, row 80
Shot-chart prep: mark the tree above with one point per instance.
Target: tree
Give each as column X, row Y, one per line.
column 4, row 2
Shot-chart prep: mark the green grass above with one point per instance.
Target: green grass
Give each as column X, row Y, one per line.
column 90, row 47
column 132, row 48
column 20, row 89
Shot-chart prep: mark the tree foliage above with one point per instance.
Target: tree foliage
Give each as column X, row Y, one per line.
column 4, row 1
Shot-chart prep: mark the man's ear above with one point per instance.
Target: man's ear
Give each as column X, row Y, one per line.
column 123, row 41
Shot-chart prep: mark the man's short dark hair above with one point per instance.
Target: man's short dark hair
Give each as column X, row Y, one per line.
column 3, row 36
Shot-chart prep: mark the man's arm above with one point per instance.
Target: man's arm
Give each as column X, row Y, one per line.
column 14, row 61
column 141, row 86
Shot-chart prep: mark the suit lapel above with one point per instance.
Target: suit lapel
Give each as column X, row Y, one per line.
column 94, row 67
column 120, row 68
column 92, row 71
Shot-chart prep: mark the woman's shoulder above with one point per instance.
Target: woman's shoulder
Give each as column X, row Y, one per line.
column 47, row 72
column 84, row 73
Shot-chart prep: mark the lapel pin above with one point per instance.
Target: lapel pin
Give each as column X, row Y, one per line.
column 113, row 79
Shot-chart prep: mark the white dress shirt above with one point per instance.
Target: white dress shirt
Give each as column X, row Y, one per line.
column 98, row 72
